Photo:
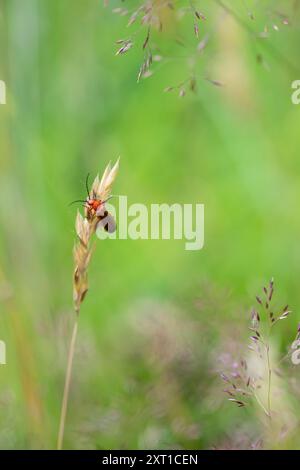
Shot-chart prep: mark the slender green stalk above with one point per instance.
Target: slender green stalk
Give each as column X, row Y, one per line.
column 269, row 380
column 67, row 386
column 261, row 404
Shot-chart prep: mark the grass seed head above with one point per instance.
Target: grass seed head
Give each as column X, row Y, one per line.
column 85, row 228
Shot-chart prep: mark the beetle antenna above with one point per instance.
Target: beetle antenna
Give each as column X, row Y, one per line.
column 109, row 197
column 78, row 200
column 87, row 185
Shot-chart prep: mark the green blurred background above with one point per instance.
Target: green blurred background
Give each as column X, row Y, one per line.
column 156, row 317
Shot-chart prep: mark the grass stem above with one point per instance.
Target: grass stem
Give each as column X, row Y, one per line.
column 269, row 380
column 67, row 386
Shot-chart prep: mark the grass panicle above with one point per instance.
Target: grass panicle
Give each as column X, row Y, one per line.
column 85, row 227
